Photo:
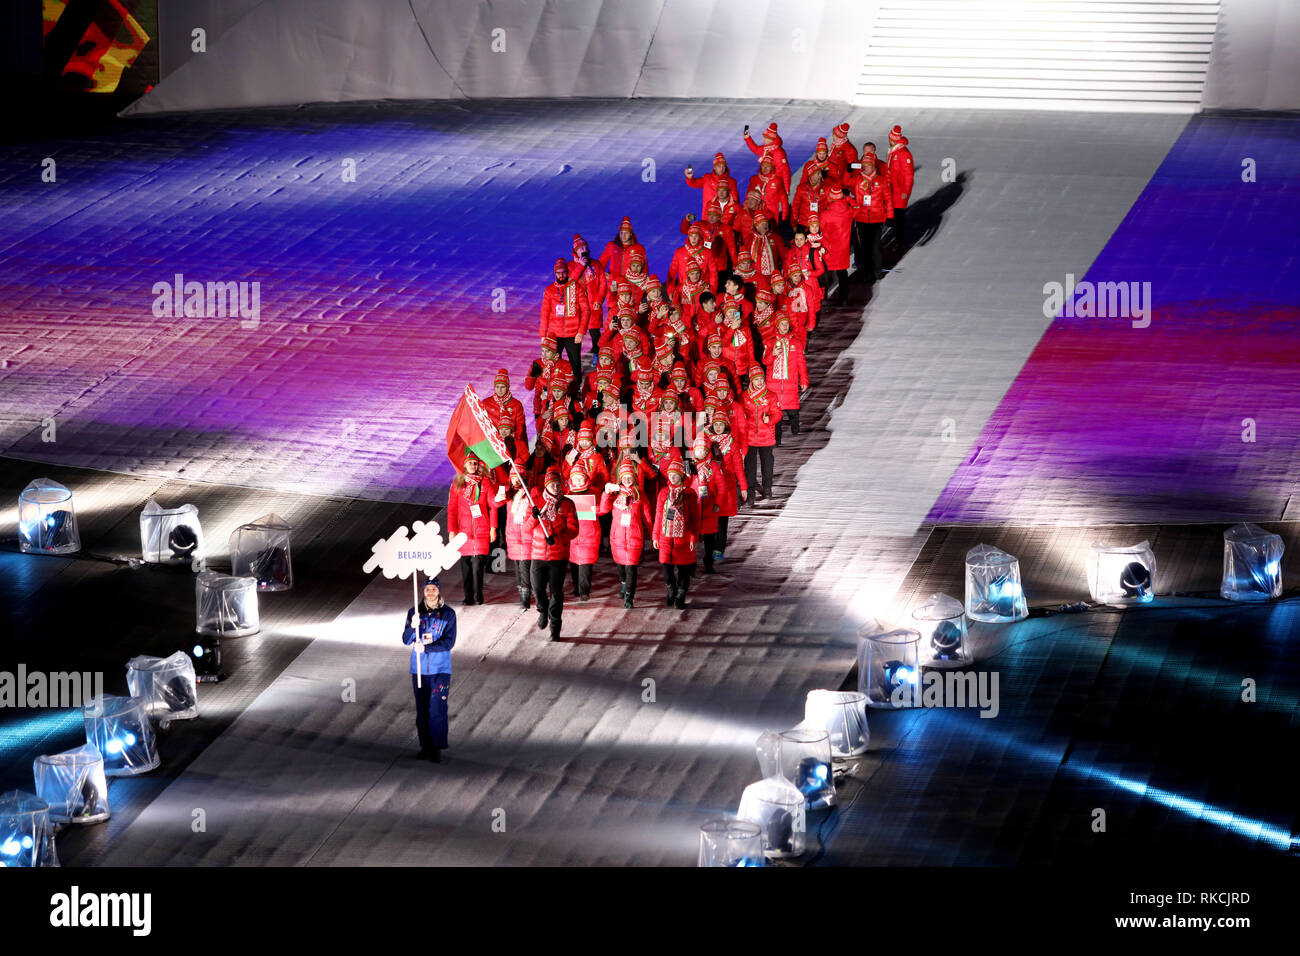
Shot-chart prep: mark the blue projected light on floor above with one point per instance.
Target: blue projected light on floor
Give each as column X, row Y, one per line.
column 1196, row 809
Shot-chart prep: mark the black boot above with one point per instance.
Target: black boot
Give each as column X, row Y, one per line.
column 555, row 629
column 542, row 619
column 622, row 589
column 672, row 596
column 525, row 597
column 627, row 598
column 680, row 604
column 435, row 755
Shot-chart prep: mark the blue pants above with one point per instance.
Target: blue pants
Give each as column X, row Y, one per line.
column 431, row 710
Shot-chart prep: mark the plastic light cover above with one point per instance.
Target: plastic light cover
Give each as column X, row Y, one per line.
column 260, row 550
column 1121, row 575
column 225, row 606
column 167, row 685
column 843, row 715
column 47, row 522
column 728, row 842
column 119, row 728
column 170, row 535
column 994, row 593
column 26, row 833
column 1252, row 564
column 73, row 784
column 777, row 807
column 888, row 658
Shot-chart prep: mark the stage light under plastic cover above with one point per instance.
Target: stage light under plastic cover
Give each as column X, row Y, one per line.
column 47, row 522
column 1252, row 564
column 994, row 594
column 1121, row 575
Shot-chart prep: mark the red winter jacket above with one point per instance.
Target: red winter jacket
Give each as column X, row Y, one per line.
column 709, row 183
column 842, row 157
column 761, row 434
column 775, row 193
column 564, row 530
column 900, row 173
column 565, row 311
column 682, row 259
column 680, row 550
column 614, row 258
column 627, row 528
column 519, row 545
column 709, row 492
column 780, row 161
column 786, row 375
column 596, row 284
column 719, row 239
column 585, row 548
column 512, row 409
column 461, row 504
column 837, row 222
column 808, row 200
column 871, row 199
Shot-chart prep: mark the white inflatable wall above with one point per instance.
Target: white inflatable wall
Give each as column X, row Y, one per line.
column 281, row 52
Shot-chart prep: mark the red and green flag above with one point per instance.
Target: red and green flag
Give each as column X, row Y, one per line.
column 471, row 430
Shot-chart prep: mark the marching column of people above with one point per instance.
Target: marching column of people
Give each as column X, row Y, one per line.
column 692, row 382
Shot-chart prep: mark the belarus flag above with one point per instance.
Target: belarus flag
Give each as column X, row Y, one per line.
column 471, row 430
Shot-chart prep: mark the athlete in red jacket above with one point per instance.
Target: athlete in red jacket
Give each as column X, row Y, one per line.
column 787, row 371
column 471, row 509
column 872, row 206
column 708, row 480
column 614, row 256
column 553, row 523
column 519, row 545
column 774, row 191
column 772, row 147
column 709, row 182
column 693, row 250
column 566, row 314
column 584, row 549
column 590, row 274
column 900, row 172
column 631, row 515
column 725, row 450
column 502, row 404
column 762, row 412
column 843, row 153
column 675, row 532
column 836, row 232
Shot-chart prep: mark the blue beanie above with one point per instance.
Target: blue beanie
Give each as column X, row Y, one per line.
column 432, row 579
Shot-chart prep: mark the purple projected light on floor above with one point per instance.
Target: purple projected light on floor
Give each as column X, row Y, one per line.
column 1195, row 416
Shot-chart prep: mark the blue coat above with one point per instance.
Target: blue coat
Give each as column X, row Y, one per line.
column 435, row 658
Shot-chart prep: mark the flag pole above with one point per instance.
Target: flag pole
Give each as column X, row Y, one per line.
column 415, row 611
column 494, row 439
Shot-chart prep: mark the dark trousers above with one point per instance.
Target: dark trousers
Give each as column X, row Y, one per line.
column 678, row 576
column 595, row 345
column 841, row 277
column 627, row 578
column 523, row 576
column 752, row 459
column 548, row 587
column 710, row 540
column 573, row 346
column 431, row 710
column 790, row 417
column 868, row 252
column 720, row 538
column 900, row 228
column 580, row 575
column 471, row 575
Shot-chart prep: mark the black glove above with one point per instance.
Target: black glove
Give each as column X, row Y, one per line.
column 550, row 539
column 746, row 130
column 537, row 512
column 535, row 369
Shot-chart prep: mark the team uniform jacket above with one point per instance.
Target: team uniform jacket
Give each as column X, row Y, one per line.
column 680, row 550
column 627, row 527
column 461, row 505
column 563, row 530
column 565, row 311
